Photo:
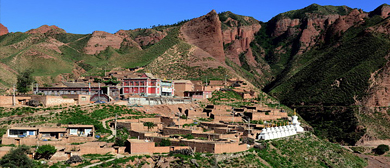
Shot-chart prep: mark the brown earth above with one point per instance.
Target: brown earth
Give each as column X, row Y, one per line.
column 3, row 29
column 100, row 40
column 205, row 32
column 376, row 161
column 152, row 38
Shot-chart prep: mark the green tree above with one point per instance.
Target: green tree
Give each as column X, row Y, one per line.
column 17, row 158
column 150, row 125
column 165, row 142
column 381, row 149
column 45, row 151
column 24, row 81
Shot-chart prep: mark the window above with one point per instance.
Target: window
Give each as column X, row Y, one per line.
column 73, row 132
column 31, row 132
column 83, row 98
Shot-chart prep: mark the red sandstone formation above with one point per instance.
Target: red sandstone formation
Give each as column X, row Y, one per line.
column 3, row 29
column 240, row 39
column 46, row 29
column 282, row 25
column 100, row 40
column 205, row 32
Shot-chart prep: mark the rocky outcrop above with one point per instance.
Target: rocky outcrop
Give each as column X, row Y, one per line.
column 51, row 44
column 127, row 40
column 383, row 11
column 205, row 32
column 379, row 91
column 3, row 29
column 151, row 37
column 382, row 28
column 343, row 23
column 141, row 37
column 238, row 39
column 46, row 29
column 100, row 40
column 282, row 25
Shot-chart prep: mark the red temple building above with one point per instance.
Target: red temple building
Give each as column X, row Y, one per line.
column 146, row 85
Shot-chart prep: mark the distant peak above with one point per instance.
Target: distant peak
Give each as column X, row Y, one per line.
column 45, row 29
column 315, row 8
column 382, row 10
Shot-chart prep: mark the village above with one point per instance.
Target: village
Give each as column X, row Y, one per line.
column 215, row 116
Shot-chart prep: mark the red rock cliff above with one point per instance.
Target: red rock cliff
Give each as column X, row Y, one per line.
column 3, row 30
column 205, row 32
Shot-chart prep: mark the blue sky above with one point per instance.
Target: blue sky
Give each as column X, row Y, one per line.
column 86, row 16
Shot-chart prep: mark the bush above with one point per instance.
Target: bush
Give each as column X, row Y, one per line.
column 381, row 149
column 17, row 158
column 165, row 142
column 45, row 151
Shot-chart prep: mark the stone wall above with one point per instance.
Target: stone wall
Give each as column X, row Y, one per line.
column 5, row 100
column 230, row 147
column 171, row 131
column 53, row 100
column 95, row 148
column 207, row 136
column 199, row 146
column 140, row 147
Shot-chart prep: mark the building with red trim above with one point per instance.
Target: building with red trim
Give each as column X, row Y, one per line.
column 146, row 85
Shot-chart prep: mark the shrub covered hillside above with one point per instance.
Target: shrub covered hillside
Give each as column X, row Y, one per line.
column 328, row 81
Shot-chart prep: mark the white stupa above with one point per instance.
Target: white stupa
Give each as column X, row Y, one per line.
column 264, row 134
column 291, row 129
column 272, row 134
column 278, row 131
column 296, row 123
column 284, row 131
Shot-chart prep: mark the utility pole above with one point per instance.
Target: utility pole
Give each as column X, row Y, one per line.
column 233, row 114
column 99, row 93
column 225, row 81
column 89, row 88
column 32, row 87
column 13, row 102
column 116, row 118
column 36, row 85
column 249, row 128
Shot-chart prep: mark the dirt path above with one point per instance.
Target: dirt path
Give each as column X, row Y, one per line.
column 99, row 163
column 376, row 161
column 112, row 129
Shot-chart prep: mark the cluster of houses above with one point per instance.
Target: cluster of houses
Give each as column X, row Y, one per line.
column 127, row 85
column 208, row 129
column 226, row 134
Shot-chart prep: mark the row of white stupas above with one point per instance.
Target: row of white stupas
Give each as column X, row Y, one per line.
column 281, row 131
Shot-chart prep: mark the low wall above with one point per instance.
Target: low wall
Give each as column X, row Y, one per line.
column 53, row 100
column 171, row 131
column 207, row 135
column 230, row 147
column 76, row 139
column 5, row 100
column 22, row 141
